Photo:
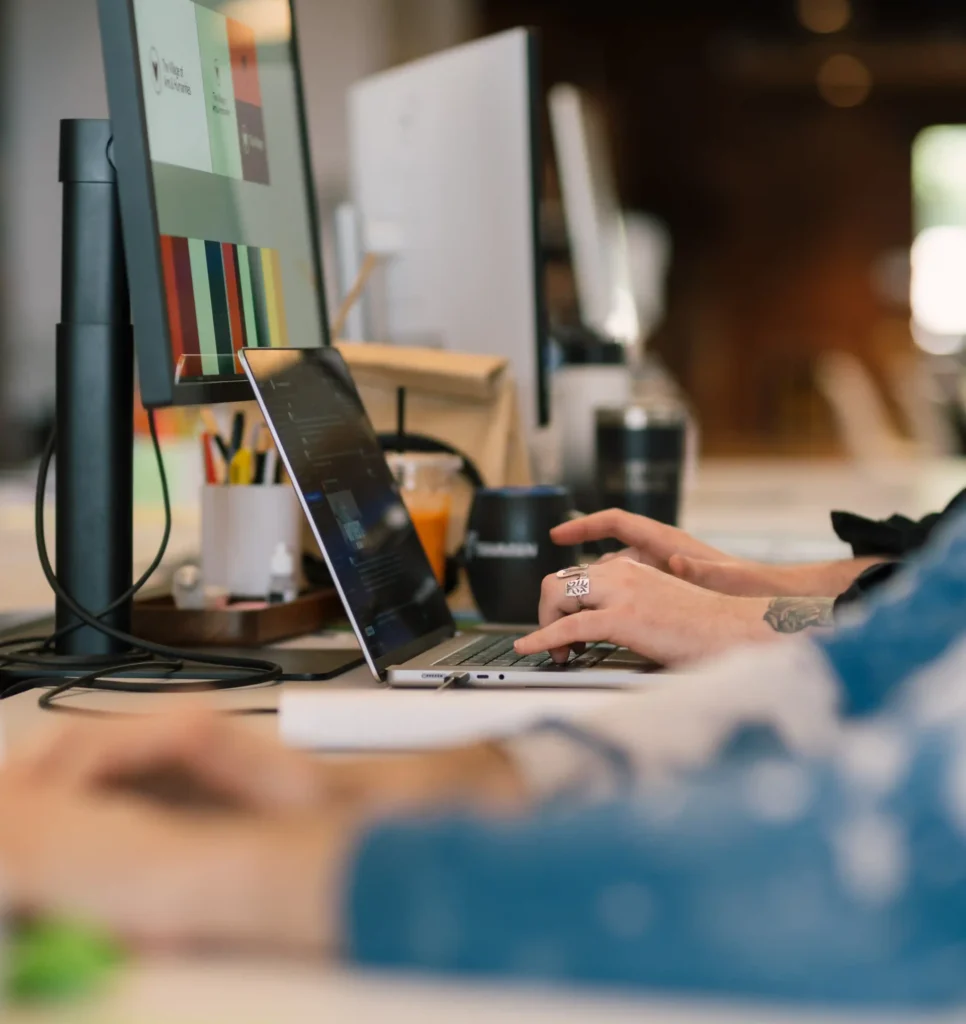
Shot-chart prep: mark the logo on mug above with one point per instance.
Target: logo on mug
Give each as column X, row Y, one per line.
column 506, row 549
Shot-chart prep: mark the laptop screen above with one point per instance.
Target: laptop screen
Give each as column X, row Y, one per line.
column 331, row 451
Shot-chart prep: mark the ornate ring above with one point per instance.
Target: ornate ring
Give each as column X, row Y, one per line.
column 576, row 583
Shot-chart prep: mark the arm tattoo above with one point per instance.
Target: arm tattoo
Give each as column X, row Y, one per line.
column 793, row 614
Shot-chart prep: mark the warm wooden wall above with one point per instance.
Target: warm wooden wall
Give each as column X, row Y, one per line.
column 780, row 205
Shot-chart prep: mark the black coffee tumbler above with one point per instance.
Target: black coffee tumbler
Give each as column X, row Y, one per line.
column 508, row 549
column 640, row 459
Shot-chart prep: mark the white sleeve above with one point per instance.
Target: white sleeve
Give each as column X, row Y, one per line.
column 679, row 721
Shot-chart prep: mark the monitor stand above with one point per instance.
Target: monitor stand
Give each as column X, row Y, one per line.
column 94, row 501
column 95, row 394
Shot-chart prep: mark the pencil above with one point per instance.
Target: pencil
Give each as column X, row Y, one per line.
column 240, row 470
column 211, row 474
column 268, row 468
column 263, row 444
column 211, row 425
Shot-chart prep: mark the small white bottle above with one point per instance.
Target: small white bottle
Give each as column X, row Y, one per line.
column 282, row 584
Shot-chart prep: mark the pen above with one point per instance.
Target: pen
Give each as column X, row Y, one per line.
column 270, row 466
column 211, row 425
column 211, row 474
column 255, row 437
column 237, row 433
column 262, row 442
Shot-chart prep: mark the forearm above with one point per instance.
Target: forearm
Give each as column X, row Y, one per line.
column 753, row 620
column 274, row 884
column 481, row 775
column 822, row 579
column 786, row 616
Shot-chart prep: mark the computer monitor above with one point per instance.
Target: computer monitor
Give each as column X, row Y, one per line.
column 216, row 190
column 445, row 172
column 595, row 224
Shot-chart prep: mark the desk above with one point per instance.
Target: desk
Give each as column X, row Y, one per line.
column 241, row 992
column 740, row 502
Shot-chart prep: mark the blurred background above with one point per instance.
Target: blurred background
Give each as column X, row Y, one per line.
column 805, row 158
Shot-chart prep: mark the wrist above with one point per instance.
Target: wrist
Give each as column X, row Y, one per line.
column 482, row 776
column 491, row 778
column 273, row 883
column 822, row 579
column 786, row 616
column 741, row 620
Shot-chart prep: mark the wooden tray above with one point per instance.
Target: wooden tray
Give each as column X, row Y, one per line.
column 158, row 620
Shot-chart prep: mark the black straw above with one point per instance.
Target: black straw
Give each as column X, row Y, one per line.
column 400, row 419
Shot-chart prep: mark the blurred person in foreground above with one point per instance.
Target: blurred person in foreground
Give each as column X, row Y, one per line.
column 787, row 821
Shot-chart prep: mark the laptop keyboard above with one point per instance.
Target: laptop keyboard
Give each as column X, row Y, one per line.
column 498, row 652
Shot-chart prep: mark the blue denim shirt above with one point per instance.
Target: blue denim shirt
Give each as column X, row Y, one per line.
column 840, row 880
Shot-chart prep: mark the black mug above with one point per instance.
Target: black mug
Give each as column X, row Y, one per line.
column 640, row 459
column 508, row 549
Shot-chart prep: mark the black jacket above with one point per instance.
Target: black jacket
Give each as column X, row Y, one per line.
column 894, row 539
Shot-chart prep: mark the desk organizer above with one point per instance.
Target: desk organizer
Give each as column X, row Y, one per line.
column 158, row 620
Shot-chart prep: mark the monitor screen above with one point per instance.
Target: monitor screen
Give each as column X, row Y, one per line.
column 228, row 170
column 348, row 492
column 445, row 174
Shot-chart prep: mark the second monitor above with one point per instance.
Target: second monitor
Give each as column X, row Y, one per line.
column 446, row 179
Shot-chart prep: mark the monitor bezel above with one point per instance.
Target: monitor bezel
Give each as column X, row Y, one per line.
column 539, row 345
column 541, row 312
column 139, row 217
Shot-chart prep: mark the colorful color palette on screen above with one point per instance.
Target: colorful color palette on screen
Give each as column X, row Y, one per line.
column 221, row 298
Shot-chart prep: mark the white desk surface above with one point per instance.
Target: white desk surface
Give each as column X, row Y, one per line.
column 743, row 503
column 263, row 992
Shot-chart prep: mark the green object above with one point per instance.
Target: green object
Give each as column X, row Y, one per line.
column 53, row 960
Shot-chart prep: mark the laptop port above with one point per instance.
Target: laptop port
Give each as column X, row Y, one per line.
column 478, row 676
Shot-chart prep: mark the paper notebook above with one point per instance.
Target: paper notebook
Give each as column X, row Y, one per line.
column 390, row 720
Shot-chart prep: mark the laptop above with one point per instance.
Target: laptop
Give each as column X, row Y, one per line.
column 391, row 596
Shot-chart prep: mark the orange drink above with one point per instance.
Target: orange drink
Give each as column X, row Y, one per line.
column 425, row 482
column 432, row 525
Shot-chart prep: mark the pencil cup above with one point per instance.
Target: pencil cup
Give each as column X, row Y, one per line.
column 241, row 528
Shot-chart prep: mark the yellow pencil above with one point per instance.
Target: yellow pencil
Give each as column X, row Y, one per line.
column 240, row 470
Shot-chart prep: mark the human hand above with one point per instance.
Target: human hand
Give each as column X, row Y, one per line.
column 646, row 540
column 160, row 878
column 78, row 839
column 190, row 755
column 637, row 606
column 678, row 553
column 214, row 757
column 745, row 578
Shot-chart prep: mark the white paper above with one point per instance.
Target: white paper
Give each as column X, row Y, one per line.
column 396, row 720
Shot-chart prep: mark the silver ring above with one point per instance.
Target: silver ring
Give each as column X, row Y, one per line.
column 576, row 582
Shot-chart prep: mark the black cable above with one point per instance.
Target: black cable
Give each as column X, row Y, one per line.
column 33, row 656
column 46, row 643
column 252, row 671
column 139, row 585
